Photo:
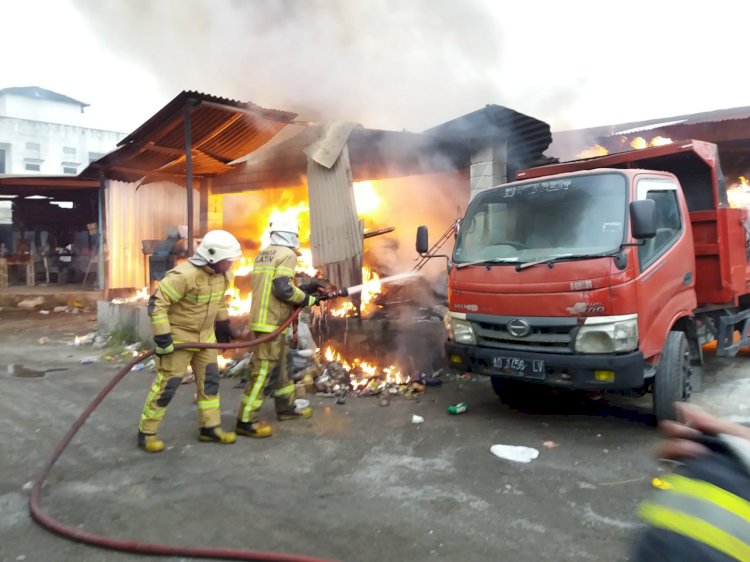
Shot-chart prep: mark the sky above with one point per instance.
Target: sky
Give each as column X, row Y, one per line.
column 385, row 63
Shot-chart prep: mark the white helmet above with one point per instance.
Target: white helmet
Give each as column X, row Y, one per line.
column 219, row 245
column 284, row 225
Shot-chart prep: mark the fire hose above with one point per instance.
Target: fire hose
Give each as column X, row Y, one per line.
column 103, row 541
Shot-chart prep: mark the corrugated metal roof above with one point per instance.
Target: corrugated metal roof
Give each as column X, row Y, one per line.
column 721, row 125
column 27, row 181
column 373, row 154
column 41, row 94
column 222, row 130
column 526, row 136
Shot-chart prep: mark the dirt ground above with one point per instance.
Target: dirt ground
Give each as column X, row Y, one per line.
column 357, row 482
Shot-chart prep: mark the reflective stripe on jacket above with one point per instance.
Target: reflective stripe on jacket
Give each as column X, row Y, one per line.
column 702, row 512
column 274, row 293
column 187, row 302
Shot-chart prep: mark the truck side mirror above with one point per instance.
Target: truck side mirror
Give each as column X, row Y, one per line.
column 423, row 245
column 643, row 219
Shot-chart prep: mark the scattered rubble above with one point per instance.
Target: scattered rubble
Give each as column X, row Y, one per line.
column 415, row 419
column 550, row 444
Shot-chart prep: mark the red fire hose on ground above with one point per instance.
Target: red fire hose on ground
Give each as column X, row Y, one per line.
column 131, row 546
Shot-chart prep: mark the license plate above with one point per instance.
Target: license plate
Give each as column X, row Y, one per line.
column 531, row 368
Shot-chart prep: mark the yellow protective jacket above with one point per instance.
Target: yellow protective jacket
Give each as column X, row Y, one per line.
column 274, row 292
column 187, row 302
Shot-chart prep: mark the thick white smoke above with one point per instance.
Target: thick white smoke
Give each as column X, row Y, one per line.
column 384, row 63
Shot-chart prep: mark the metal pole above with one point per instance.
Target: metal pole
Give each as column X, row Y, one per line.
column 189, row 178
column 100, row 274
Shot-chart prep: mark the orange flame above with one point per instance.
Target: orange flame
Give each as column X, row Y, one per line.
column 373, row 376
column 223, row 362
column 371, row 289
column 292, row 206
column 640, row 142
column 593, row 152
column 738, row 194
column 139, row 296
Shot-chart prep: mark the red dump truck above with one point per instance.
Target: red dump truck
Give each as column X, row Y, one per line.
column 605, row 274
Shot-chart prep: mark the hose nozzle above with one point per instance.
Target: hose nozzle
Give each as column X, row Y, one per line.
column 334, row 294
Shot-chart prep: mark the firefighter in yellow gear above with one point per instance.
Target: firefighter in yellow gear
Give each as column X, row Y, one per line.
column 701, row 510
column 274, row 298
column 189, row 306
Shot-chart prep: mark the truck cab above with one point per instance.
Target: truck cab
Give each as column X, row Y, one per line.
column 587, row 275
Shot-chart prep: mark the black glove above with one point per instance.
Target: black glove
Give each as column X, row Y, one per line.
column 223, row 331
column 311, row 300
column 164, row 344
column 313, row 287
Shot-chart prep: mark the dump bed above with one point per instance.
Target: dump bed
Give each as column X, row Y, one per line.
column 719, row 232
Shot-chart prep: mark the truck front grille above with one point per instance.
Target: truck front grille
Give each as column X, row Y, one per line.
column 551, row 335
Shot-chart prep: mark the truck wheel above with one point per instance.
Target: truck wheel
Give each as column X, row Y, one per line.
column 672, row 378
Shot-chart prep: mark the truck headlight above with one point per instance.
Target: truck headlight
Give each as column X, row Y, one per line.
column 608, row 334
column 462, row 332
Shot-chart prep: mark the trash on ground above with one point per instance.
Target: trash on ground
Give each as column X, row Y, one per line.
column 300, row 404
column 138, row 367
column 427, row 380
column 550, row 444
column 459, row 408
column 18, row 370
column 45, row 312
column 515, row 453
column 417, row 419
column 30, row 304
column 88, row 360
column 43, row 340
column 88, row 339
column 385, row 401
column 59, row 309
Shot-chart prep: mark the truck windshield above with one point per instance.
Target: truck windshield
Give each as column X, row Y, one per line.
column 581, row 215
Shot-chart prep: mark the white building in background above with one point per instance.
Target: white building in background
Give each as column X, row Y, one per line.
column 43, row 132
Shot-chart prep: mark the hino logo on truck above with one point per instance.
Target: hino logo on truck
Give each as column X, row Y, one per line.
column 586, row 308
column 518, row 328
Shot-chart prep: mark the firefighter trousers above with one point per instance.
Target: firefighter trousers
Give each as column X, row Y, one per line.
column 268, row 376
column 170, row 370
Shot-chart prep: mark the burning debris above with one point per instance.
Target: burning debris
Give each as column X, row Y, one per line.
column 738, row 194
column 624, row 143
column 358, row 377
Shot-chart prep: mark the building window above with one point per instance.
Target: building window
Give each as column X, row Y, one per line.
column 2, row 161
column 6, row 212
column 33, row 150
column 94, row 156
column 33, row 166
column 70, row 170
column 69, row 151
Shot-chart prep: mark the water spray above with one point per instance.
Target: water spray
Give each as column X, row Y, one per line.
column 354, row 289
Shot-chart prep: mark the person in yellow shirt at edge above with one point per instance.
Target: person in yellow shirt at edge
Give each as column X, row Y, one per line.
column 274, row 298
column 188, row 306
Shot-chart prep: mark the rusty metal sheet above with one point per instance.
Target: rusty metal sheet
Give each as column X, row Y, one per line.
column 335, row 230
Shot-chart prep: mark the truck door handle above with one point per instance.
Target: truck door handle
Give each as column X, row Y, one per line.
column 687, row 278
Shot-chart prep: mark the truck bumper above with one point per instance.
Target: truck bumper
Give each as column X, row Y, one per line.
column 584, row 372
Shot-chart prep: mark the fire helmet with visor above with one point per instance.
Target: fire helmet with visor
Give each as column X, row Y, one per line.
column 219, row 245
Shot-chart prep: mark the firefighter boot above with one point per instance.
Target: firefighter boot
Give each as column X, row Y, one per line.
column 257, row 429
column 217, row 435
column 150, row 443
column 295, row 414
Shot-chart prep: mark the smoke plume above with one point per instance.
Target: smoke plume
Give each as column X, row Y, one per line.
column 383, row 63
